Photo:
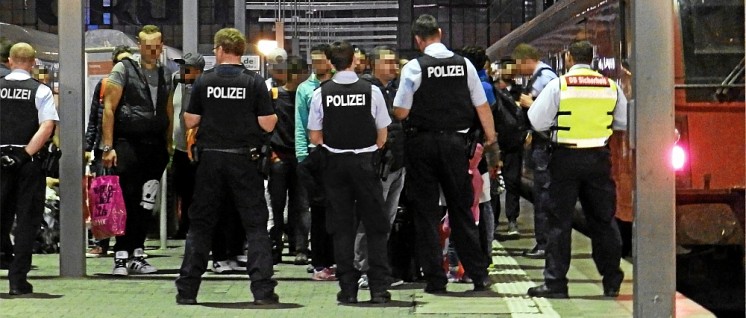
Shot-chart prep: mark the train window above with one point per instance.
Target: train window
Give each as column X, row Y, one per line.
column 713, row 45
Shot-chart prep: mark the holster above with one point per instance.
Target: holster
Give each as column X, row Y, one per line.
column 263, row 156
column 472, row 139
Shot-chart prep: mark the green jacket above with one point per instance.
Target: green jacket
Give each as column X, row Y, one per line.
column 302, row 107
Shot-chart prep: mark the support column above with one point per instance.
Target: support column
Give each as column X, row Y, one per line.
column 190, row 26
column 655, row 218
column 72, row 234
column 239, row 16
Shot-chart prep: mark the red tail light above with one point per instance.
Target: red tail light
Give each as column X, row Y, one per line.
column 678, row 157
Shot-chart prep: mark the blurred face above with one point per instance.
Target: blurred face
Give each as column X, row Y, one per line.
column 151, row 47
column 526, row 66
column 387, row 66
column 362, row 62
column 189, row 73
column 279, row 74
column 321, row 65
column 40, row 74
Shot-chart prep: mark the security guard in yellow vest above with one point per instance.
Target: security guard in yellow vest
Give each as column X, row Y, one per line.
column 581, row 108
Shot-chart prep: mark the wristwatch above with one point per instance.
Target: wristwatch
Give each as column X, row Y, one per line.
column 107, row 148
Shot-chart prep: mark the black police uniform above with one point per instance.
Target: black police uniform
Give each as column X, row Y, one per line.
column 355, row 191
column 22, row 180
column 229, row 99
column 436, row 155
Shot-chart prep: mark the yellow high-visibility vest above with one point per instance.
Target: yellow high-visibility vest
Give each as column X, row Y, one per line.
column 586, row 109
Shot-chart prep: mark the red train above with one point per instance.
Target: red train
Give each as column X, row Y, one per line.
column 709, row 117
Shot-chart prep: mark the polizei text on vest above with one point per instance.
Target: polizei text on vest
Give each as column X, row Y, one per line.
column 445, row 71
column 15, row 93
column 345, row 100
column 226, row 92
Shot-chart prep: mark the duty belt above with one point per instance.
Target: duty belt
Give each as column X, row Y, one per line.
column 253, row 152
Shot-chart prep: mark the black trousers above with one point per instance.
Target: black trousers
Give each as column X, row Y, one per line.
column 310, row 172
column 584, row 174
column 22, row 197
column 356, row 195
column 511, row 172
column 439, row 159
column 137, row 163
column 227, row 177
column 284, row 188
column 184, row 172
column 540, row 156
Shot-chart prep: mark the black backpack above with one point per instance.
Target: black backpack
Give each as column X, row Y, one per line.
column 510, row 122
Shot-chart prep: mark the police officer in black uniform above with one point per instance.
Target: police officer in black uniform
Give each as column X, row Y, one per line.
column 232, row 108
column 349, row 118
column 439, row 94
column 27, row 120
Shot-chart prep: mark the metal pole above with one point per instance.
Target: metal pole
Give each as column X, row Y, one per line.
column 72, row 242
column 164, row 213
column 190, row 26
column 239, row 17
column 654, row 224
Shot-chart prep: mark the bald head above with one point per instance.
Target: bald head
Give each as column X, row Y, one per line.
column 22, row 56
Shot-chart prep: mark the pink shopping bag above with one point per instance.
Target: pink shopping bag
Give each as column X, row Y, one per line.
column 108, row 214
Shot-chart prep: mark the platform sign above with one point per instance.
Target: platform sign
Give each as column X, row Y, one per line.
column 251, row 62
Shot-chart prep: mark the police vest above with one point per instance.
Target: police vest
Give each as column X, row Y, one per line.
column 443, row 100
column 229, row 108
column 348, row 121
column 19, row 117
column 136, row 115
column 586, row 109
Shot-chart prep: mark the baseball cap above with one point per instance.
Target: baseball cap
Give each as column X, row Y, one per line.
column 192, row 59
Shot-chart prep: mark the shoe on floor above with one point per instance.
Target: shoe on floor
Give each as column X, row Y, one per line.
column 219, row 267
column 362, row 283
column 326, row 274
column 309, row 269
column 236, row 265
column 535, row 253
column 393, row 282
column 270, row 300
column 182, row 300
column 380, row 297
column 346, row 299
column 120, row 264
column 300, row 259
column 21, row 289
column 546, row 292
column 96, row 251
column 138, row 264
column 513, row 232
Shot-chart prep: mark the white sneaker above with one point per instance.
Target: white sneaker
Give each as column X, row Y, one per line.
column 220, row 267
column 138, row 264
column 236, row 265
column 242, row 258
column 120, row 264
column 362, row 283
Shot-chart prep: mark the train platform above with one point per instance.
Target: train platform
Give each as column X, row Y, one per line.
column 227, row 295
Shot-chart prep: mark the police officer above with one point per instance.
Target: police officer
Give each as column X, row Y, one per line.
column 581, row 108
column 439, row 94
column 527, row 59
column 232, row 108
column 349, row 119
column 28, row 117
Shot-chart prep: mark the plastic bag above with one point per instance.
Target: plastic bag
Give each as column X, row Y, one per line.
column 108, row 213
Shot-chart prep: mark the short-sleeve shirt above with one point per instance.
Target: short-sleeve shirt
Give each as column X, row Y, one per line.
column 117, row 76
column 378, row 109
column 411, row 78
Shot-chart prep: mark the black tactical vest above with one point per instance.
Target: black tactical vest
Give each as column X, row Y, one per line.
column 348, row 121
column 19, row 117
column 136, row 116
column 283, row 137
column 443, row 100
column 229, row 110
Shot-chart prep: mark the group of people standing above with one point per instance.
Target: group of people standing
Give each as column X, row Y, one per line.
column 341, row 146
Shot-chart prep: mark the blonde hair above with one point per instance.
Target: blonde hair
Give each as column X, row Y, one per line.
column 231, row 40
column 22, row 52
column 149, row 29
